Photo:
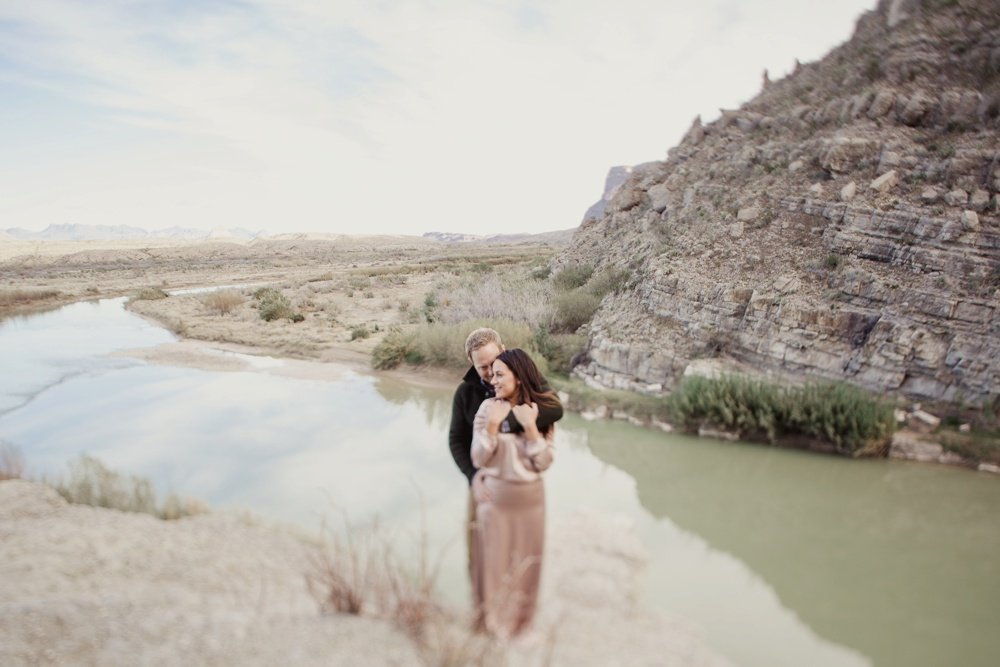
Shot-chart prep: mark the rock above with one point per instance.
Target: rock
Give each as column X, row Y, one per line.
column 882, row 104
column 659, row 197
column 795, row 166
column 956, row 198
column 929, row 194
column 748, row 214
column 995, row 203
column 848, row 191
column 704, row 432
column 885, row 182
column 843, row 154
column 989, row 467
column 899, row 415
column 695, row 133
column 748, row 122
column 663, row 426
column 888, row 160
column 736, row 230
column 916, row 109
column 970, row 220
column 816, row 190
column 923, row 422
column 965, row 428
column 979, row 200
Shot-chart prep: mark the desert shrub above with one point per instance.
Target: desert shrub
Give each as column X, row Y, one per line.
column 607, row 281
column 223, row 301
column 149, row 294
column 847, row 417
column 572, row 277
column 272, row 304
column 558, row 350
column 832, row 261
column 297, row 317
column 574, row 309
column 361, row 332
column 92, row 483
column 394, row 348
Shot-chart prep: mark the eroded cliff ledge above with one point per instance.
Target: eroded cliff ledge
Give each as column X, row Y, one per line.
column 841, row 225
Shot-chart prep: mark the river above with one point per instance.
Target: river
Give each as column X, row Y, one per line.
column 776, row 557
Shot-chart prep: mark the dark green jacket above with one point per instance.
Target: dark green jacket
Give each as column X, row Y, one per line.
column 468, row 397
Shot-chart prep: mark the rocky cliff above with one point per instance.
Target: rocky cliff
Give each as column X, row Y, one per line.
column 842, row 225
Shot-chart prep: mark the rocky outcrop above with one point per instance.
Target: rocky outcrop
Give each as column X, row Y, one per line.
column 841, row 225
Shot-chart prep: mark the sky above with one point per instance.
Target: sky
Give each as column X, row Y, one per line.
column 368, row 117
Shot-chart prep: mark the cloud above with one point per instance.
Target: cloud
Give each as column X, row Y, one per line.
column 389, row 117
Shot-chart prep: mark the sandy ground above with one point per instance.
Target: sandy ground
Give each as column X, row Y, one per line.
column 92, row 586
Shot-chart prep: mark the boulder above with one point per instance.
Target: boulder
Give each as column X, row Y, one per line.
column 929, row 195
column 885, row 182
column 882, row 104
column 979, row 200
column 970, row 220
column 916, row 109
column 748, row 214
column 659, row 197
column 848, row 191
column 956, row 198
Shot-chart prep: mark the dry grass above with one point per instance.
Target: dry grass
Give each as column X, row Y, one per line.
column 360, row 572
column 513, row 296
column 11, row 462
column 92, row 483
column 23, row 297
column 223, row 302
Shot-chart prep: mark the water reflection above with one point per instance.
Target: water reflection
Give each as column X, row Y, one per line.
column 893, row 559
column 781, row 558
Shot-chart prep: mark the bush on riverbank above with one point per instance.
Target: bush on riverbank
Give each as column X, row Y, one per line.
column 846, row 417
column 149, row 294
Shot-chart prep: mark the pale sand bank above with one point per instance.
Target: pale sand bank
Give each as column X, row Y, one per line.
column 90, row 586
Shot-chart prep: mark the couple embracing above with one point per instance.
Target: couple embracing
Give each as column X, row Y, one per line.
column 501, row 436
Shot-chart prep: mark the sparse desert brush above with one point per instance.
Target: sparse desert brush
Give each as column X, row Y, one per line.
column 509, row 296
column 11, row 462
column 92, row 483
column 149, row 294
column 18, row 297
column 272, row 304
column 360, row 332
column 223, row 302
column 572, row 277
column 441, row 344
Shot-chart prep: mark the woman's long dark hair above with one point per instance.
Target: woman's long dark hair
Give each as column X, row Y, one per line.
column 532, row 387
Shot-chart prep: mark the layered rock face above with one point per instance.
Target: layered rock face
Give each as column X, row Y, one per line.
column 842, row 225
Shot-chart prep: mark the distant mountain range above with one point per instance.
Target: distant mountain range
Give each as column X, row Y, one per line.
column 560, row 237
column 73, row 232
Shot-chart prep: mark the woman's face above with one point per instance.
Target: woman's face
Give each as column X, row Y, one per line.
column 504, row 383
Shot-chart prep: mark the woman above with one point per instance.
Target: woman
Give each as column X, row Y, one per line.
column 511, row 454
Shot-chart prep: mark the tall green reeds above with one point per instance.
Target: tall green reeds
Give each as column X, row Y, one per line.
column 844, row 416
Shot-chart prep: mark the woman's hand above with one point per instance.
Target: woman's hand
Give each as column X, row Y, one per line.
column 526, row 414
column 496, row 413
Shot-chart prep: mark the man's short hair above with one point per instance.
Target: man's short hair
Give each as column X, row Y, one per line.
column 479, row 338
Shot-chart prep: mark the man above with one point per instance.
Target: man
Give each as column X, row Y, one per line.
column 482, row 348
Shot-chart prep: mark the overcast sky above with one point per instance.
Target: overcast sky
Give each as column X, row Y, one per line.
column 367, row 117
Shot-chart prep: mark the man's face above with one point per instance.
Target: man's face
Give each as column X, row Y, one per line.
column 483, row 358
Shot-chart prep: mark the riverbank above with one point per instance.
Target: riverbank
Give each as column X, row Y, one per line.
column 86, row 585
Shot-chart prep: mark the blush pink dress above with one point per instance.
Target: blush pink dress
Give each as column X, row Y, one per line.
column 510, row 527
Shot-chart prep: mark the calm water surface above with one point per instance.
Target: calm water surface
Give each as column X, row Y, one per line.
column 776, row 557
